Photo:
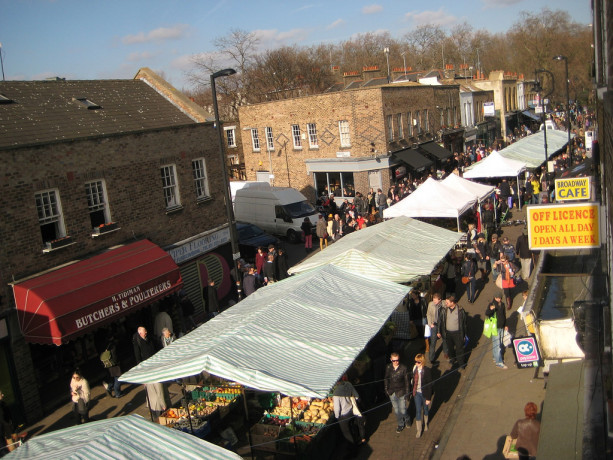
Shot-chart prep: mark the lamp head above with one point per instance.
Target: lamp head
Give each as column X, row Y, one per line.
column 223, row 73
column 559, row 57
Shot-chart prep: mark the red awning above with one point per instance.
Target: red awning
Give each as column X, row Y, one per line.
column 60, row 305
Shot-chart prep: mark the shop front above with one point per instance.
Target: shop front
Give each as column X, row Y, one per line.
column 78, row 306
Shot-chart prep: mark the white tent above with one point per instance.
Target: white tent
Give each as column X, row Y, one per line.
column 494, row 165
column 480, row 191
column 297, row 336
column 125, row 437
column 432, row 199
column 531, row 149
column 398, row 250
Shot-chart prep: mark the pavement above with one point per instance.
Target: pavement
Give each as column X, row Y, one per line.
column 473, row 410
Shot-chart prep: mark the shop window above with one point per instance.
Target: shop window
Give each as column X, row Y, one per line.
column 97, row 203
column 341, row 184
column 50, row 218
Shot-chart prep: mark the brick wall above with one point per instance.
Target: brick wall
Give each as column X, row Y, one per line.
column 366, row 111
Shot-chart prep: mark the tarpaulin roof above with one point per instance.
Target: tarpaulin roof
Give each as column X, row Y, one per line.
column 495, row 165
column 297, row 336
column 60, row 305
column 433, row 148
column 398, row 250
column 413, row 158
column 480, row 191
column 432, row 199
column 531, row 149
column 125, row 437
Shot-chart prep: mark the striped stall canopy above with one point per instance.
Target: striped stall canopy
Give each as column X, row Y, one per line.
column 531, row 149
column 125, row 437
column 297, row 336
column 398, row 250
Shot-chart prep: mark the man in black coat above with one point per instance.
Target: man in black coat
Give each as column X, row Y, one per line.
column 452, row 329
column 143, row 347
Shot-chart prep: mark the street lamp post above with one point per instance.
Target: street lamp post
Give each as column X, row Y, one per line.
column 226, row 183
column 539, row 89
column 404, row 63
column 570, row 150
column 386, row 50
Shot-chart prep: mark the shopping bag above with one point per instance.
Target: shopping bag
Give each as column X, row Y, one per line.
column 507, row 338
column 499, row 281
column 465, row 280
column 427, row 331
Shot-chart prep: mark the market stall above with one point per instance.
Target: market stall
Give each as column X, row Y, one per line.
column 272, row 340
column 432, row 199
column 130, row 436
column 398, row 250
column 531, row 149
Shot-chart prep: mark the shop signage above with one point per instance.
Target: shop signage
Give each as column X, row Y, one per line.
column 199, row 246
column 573, row 189
column 564, row 226
column 343, row 154
column 488, row 109
column 526, row 352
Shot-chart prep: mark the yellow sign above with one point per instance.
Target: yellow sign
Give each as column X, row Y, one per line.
column 564, row 226
column 577, row 188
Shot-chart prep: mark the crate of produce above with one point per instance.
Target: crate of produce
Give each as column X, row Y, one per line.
column 168, row 417
column 264, row 437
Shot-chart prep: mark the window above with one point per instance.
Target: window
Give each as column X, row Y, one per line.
column 97, row 203
column 390, row 128
column 169, row 184
column 296, row 136
column 455, row 116
column 399, row 123
column 230, row 136
column 312, row 130
column 417, row 122
column 89, row 105
column 448, row 117
column 410, row 123
column 426, row 121
column 341, row 184
column 201, row 181
column 270, row 141
column 343, row 129
column 50, row 218
column 255, row 140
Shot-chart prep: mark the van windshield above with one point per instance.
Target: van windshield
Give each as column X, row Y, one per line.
column 299, row 209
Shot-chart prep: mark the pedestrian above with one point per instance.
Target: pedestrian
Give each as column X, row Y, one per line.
column 452, row 324
column 282, row 265
column 79, row 393
column 522, row 249
column 417, row 311
column 469, row 269
column 307, row 230
column 526, row 432
column 209, row 294
column 162, row 321
column 167, row 337
column 482, row 252
column 260, row 259
column 507, row 272
column 497, row 317
column 345, row 398
column 110, row 361
column 449, row 275
column 495, row 250
column 250, row 282
column 396, row 382
column 6, row 427
column 422, row 393
column 186, row 310
column 143, row 348
column 269, row 270
column 322, row 232
column 432, row 317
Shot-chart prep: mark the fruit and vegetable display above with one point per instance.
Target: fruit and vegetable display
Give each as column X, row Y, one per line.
column 318, row 411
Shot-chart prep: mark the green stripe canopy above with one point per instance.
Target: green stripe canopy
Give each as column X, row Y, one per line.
column 398, row 250
column 531, row 149
column 125, row 437
column 297, row 336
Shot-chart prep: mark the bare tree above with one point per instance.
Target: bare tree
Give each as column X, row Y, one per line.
column 426, row 44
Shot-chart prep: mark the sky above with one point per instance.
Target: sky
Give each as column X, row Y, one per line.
column 106, row 39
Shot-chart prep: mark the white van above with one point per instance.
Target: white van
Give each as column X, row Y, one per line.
column 277, row 210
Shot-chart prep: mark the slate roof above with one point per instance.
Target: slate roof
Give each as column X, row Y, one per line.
column 47, row 111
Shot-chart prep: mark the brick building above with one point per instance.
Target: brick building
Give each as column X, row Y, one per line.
column 347, row 140
column 97, row 175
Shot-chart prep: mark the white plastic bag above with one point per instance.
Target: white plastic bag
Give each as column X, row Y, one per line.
column 427, row 331
column 507, row 339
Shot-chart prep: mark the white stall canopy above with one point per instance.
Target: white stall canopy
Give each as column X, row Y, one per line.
column 297, row 336
column 398, row 250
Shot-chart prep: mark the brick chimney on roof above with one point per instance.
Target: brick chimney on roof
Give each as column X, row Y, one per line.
column 370, row 72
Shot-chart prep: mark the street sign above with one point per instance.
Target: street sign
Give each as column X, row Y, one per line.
column 564, row 226
column 538, row 109
column 526, row 352
column 573, row 189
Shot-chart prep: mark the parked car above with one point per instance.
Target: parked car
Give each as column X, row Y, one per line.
column 251, row 237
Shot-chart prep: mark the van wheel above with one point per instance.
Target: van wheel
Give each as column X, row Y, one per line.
column 292, row 237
